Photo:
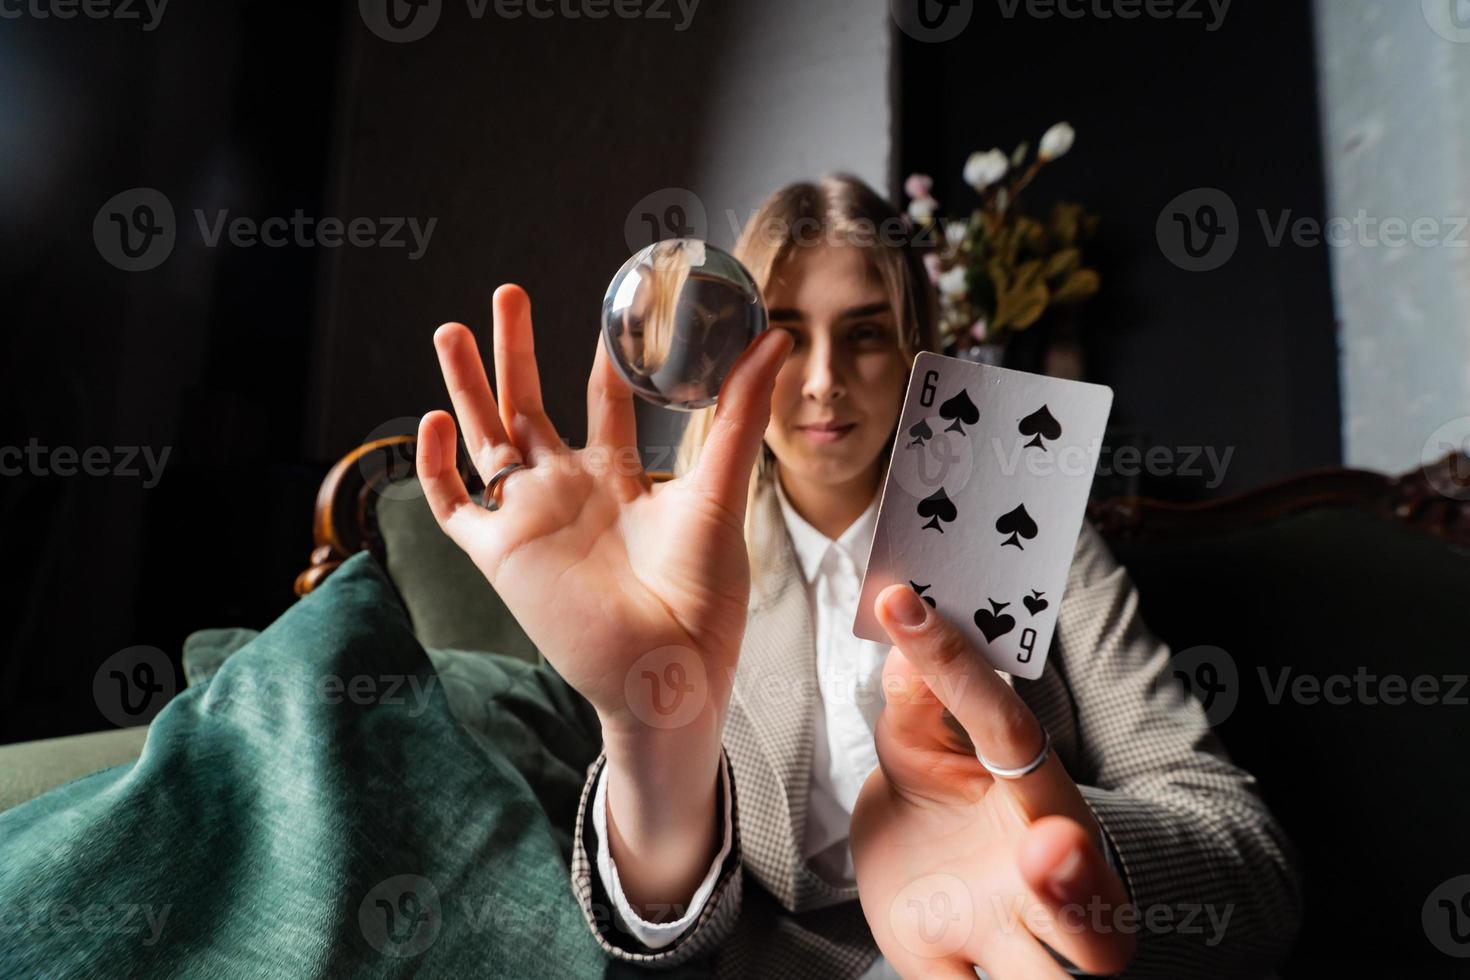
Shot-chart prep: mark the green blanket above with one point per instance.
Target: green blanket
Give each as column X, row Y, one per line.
column 327, row 805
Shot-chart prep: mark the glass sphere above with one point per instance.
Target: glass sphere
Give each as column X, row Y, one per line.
column 676, row 317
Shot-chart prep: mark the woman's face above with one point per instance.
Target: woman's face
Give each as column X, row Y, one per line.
column 845, row 368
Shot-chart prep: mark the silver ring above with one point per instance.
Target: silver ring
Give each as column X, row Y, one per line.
column 488, row 498
column 1000, row 772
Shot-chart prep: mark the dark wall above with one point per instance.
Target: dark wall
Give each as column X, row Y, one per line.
column 529, row 142
column 204, row 356
column 1240, row 358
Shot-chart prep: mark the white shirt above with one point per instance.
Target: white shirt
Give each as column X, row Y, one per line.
column 850, row 679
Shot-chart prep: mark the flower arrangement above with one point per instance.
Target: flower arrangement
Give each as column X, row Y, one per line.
column 999, row 270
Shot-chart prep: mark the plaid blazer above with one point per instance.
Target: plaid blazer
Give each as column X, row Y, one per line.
column 1188, row 828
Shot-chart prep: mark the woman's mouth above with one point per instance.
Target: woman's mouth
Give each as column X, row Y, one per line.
column 827, row 432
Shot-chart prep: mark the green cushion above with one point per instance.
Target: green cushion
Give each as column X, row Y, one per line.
column 316, row 831
column 451, row 604
column 1372, row 794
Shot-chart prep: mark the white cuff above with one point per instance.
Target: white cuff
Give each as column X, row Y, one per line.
column 656, row 935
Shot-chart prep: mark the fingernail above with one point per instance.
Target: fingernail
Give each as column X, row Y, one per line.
column 1063, row 881
column 908, row 609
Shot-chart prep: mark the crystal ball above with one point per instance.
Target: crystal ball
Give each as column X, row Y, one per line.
column 676, row 317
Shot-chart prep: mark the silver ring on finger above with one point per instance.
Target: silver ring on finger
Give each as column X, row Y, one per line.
column 487, row 500
column 1001, row 772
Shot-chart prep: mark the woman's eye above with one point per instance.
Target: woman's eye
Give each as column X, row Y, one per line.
column 867, row 333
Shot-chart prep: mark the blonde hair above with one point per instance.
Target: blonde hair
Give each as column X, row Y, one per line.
column 836, row 209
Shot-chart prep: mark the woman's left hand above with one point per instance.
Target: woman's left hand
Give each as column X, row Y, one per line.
column 956, row 868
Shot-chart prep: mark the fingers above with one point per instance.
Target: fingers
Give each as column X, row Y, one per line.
column 469, row 392
column 611, row 421
column 1021, row 958
column 1083, row 897
column 911, row 707
column 517, row 378
column 742, row 412
column 450, row 502
column 1000, row 725
column 951, row 968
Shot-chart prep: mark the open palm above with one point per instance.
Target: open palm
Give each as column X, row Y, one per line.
column 955, row 867
column 636, row 594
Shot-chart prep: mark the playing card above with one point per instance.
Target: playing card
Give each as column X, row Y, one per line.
column 983, row 502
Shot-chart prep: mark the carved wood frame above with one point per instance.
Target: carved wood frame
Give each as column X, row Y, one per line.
column 345, row 520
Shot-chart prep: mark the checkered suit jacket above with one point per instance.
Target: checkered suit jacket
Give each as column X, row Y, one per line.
column 1187, row 826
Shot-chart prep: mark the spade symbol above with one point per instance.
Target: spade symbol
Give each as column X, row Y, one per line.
column 938, row 507
column 921, row 432
column 1041, row 425
column 1034, row 602
column 992, row 622
column 960, row 412
column 1018, row 524
column 921, row 589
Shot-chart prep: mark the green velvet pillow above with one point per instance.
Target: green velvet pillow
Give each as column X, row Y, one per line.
column 449, row 601
column 317, row 809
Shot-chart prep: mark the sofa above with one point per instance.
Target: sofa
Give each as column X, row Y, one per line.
column 1318, row 619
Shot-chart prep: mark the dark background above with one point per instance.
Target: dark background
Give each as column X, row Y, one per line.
column 258, row 367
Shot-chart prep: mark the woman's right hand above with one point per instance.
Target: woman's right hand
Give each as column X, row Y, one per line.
column 624, row 590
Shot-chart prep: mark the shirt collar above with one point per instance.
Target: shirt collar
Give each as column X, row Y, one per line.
column 812, row 545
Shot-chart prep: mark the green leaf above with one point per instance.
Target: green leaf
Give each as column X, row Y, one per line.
column 1080, row 285
column 1021, row 307
column 1062, row 264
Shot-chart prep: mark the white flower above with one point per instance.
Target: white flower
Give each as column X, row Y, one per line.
column 984, row 169
column 921, row 209
column 1057, row 141
column 932, row 265
column 952, row 283
column 918, row 185
column 954, row 231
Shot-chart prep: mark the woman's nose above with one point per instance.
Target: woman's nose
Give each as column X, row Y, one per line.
column 823, row 377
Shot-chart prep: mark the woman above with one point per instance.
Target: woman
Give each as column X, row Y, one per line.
column 774, row 792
